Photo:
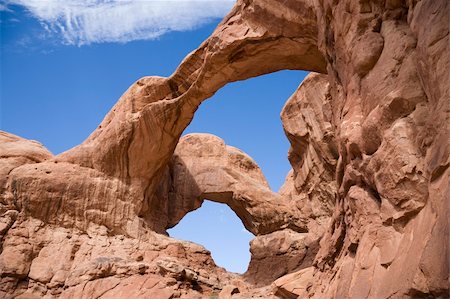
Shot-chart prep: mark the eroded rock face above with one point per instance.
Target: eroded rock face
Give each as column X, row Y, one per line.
column 203, row 167
column 369, row 152
column 311, row 184
column 67, row 263
column 16, row 151
column 279, row 253
column 389, row 128
column 136, row 140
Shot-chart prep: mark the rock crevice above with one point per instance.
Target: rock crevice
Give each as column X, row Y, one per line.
column 362, row 214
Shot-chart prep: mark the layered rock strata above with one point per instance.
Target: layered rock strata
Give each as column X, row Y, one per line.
column 369, row 152
column 203, row 167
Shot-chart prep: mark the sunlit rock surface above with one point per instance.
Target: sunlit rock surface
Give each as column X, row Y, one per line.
column 362, row 214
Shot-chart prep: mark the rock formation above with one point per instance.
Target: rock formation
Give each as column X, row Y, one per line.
column 362, row 214
column 203, row 167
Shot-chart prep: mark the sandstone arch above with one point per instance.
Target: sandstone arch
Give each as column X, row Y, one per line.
column 385, row 119
column 204, row 167
column 144, row 126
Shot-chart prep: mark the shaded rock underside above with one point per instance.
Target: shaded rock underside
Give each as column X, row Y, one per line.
column 362, row 214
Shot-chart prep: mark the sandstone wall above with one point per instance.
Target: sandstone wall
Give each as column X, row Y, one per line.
column 363, row 213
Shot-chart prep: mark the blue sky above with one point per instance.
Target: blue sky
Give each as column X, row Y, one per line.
column 62, row 70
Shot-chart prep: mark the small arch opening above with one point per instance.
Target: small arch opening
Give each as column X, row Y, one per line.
column 216, row 227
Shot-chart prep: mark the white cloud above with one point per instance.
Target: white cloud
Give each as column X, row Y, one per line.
column 80, row 22
column 3, row 7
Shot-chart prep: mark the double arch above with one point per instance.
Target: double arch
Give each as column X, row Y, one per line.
column 145, row 125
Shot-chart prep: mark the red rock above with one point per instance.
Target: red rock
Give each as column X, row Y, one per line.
column 369, row 153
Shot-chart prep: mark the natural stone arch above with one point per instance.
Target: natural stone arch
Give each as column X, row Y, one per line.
column 144, row 126
column 217, row 228
column 385, row 62
column 203, row 167
column 288, row 224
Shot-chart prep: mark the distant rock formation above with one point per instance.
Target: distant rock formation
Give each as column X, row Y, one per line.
column 363, row 213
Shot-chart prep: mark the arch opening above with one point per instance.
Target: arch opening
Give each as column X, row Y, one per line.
column 252, row 109
column 216, row 227
column 246, row 115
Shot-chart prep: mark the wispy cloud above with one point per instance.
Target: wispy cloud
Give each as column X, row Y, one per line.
column 80, row 22
column 4, row 7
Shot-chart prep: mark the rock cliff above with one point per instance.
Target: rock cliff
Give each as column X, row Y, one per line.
column 363, row 213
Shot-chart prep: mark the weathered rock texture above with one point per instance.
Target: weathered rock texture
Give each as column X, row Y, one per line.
column 311, row 185
column 203, row 167
column 367, row 196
